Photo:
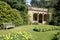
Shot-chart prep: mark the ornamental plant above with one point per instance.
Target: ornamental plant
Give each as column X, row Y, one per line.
column 16, row 36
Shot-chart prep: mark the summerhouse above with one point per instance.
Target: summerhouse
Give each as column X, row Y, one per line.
column 38, row 15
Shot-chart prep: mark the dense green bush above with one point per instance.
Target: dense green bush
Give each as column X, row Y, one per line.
column 21, row 6
column 45, row 28
column 25, row 17
column 56, row 36
column 51, row 22
column 16, row 17
column 35, row 23
column 16, row 36
column 36, row 29
column 7, row 14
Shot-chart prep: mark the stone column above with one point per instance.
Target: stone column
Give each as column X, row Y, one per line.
column 44, row 21
column 38, row 17
column 42, row 18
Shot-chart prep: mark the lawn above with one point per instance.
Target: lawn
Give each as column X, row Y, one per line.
column 48, row 35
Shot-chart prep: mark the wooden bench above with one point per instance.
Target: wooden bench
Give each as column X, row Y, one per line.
column 8, row 25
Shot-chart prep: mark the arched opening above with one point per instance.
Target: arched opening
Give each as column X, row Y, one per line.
column 35, row 17
column 45, row 17
column 40, row 18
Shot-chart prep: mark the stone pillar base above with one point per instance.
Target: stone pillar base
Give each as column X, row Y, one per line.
column 44, row 22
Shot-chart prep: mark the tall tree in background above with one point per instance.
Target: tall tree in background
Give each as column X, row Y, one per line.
column 18, row 4
column 43, row 3
column 57, row 14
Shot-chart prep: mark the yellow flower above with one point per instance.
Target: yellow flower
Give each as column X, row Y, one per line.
column 11, row 37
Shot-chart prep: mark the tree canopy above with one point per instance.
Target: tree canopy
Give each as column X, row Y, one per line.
column 18, row 4
column 7, row 14
column 43, row 3
column 57, row 14
column 21, row 6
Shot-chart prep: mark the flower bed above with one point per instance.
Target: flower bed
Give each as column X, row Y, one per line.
column 16, row 36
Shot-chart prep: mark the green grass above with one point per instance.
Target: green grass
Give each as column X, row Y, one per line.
column 48, row 35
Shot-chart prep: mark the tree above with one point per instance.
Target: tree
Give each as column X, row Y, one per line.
column 7, row 14
column 57, row 14
column 18, row 4
column 21, row 6
column 43, row 3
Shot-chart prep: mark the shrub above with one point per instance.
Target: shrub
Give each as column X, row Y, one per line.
column 25, row 18
column 58, row 33
column 44, row 30
column 56, row 36
column 52, row 28
column 16, row 17
column 7, row 14
column 51, row 22
column 16, row 36
column 36, row 29
column 21, row 6
column 35, row 23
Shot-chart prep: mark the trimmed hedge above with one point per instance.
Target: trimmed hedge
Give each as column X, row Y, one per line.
column 45, row 28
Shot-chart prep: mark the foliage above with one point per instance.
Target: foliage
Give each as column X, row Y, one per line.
column 16, row 36
column 16, row 17
column 43, row 3
column 56, row 36
column 57, row 14
column 35, row 23
column 21, row 6
column 48, row 35
column 51, row 22
column 15, row 3
column 25, row 17
column 36, row 29
column 7, row 14
column 44, row 29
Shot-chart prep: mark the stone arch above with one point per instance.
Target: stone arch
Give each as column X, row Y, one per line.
column 45, row 17
column 35, row 16
column 40, row 18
